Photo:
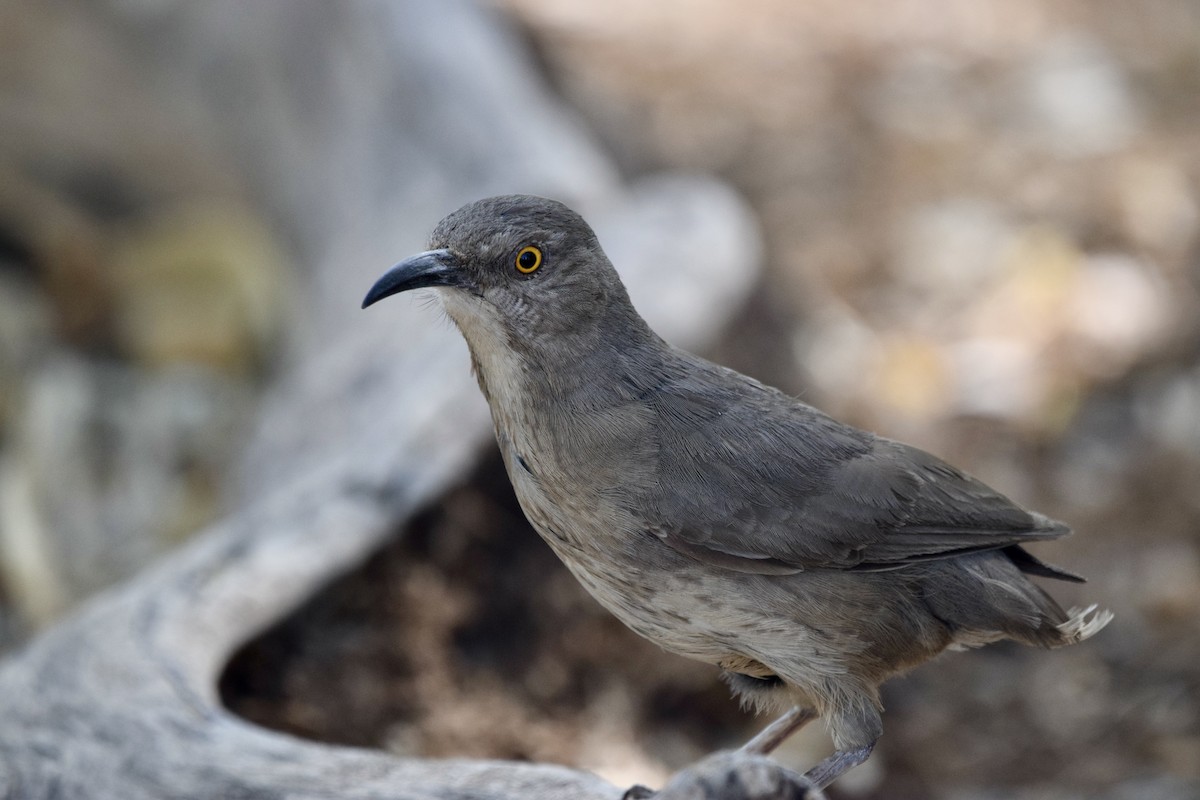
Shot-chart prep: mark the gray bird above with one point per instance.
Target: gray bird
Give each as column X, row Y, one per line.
column 716, row 516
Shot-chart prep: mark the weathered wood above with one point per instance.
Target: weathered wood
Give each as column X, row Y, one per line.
column 379, row 414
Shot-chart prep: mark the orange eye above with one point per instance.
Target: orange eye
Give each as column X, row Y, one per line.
column 528, row 260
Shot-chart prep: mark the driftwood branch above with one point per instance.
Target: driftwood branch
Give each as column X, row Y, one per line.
column 378, row 416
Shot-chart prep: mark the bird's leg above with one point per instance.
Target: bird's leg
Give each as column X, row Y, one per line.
column 831, row 768
column 773, row 735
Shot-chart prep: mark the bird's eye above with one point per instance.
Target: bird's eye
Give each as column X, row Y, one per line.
column 528, row 260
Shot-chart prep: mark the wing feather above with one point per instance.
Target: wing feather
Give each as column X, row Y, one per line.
column 752, row 480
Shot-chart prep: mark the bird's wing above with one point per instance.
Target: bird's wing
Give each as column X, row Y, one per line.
column 751, row 480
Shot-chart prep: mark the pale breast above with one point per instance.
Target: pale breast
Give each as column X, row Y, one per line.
column 652, row 589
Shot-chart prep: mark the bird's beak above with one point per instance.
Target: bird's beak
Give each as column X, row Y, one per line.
column 431, row 268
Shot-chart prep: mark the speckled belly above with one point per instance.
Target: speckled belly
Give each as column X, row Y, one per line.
column 658, row 593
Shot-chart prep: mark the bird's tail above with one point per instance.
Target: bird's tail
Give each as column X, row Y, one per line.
column 987, row 597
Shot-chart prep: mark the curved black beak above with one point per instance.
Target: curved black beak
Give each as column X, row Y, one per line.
column 431, row 268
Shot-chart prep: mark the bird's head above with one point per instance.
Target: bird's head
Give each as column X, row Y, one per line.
column 514, row 269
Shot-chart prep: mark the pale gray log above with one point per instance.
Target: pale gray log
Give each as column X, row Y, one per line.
column 379, row 414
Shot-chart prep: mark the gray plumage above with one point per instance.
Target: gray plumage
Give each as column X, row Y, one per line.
column 714, row 515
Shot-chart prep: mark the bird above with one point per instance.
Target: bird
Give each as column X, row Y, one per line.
column 718, row 517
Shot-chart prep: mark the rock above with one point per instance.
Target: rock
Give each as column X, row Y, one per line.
column 948, row 252
column 1077, row 98
column 1117, row 311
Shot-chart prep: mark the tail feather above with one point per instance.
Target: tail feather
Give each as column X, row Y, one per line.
column 1084, row 623
column 1032, row 565
column 987, row 597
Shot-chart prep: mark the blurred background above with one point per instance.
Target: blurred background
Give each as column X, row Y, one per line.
column 980, row 223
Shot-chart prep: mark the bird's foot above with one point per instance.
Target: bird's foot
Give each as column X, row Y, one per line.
column 842, row 761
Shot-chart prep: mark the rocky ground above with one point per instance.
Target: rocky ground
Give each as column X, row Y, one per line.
column 981, row 224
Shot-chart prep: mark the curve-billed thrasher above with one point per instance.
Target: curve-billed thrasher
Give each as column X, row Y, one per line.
column 716, row 516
